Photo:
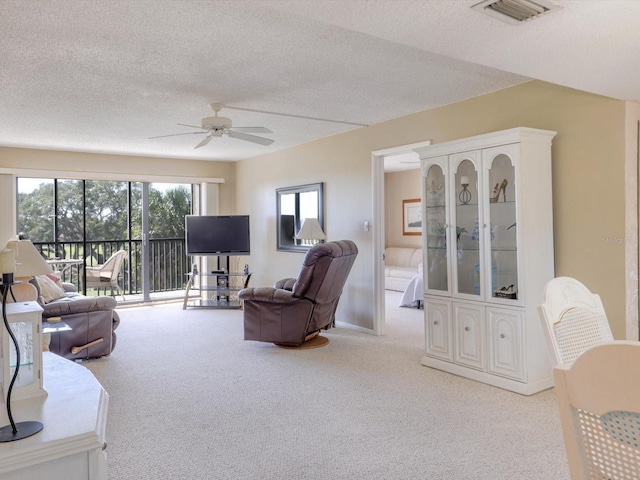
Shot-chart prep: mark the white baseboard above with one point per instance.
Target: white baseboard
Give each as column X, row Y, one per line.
column 355, row 327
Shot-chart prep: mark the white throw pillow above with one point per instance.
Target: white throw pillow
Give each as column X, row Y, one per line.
column 49, row 288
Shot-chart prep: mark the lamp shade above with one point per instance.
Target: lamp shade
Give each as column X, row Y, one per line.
column 311, row 230
column 29, row 262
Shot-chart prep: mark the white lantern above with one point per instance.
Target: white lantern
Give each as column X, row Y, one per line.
column 25, row 321
column 21, row 340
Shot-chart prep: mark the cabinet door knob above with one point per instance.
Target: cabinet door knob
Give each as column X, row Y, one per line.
column 466, row 329
column 502, row 335
column 436, row 322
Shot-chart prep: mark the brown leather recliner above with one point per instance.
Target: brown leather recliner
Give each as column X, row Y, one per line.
column 296, row 308
column 93, row 322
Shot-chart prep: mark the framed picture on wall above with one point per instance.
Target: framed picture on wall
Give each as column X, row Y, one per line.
column 412, row 217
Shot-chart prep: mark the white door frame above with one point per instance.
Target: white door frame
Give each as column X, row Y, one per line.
column 377, row 169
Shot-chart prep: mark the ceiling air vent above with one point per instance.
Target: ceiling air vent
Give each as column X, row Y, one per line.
column 515, row 11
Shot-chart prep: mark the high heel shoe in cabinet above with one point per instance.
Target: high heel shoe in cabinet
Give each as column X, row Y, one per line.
column 500, row 187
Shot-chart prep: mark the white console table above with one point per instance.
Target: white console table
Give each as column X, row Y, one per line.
column 72, row 445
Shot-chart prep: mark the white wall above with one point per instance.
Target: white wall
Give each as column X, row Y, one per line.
column 347, row 193
column 399, row 186
column 632, row 161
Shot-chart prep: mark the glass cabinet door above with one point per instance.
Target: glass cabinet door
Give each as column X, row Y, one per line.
column 468, row 239
column 435, row 226
column 503, row 232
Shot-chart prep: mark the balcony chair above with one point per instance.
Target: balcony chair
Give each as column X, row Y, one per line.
column 599, row 403
column 106, row 275
column 295, row 310
column 573, row 319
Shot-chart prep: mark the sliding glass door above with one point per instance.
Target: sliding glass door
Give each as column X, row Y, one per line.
column 168, row 203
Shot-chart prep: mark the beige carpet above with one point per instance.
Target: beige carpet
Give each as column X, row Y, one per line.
column 189, row 399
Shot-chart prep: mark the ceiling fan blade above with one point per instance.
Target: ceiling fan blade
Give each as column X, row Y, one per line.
column 251, row 129
column 250, row 138
column 176, row 134
column 204, row 142
column 294, row 116
column 192, row 126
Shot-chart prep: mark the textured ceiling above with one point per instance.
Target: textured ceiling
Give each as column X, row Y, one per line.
column 104, row 75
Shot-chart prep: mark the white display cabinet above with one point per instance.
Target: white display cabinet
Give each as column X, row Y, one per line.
column 488, row 252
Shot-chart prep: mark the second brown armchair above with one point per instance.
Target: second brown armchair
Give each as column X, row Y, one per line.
column 295, row 309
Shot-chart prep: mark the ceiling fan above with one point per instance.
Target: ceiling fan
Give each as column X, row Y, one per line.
column 217, row 126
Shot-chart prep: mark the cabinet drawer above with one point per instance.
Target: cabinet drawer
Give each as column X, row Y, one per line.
column 505, row 342
column 437, row 318
column 469, row 335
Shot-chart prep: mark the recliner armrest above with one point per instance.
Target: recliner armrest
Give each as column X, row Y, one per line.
column 69, row 287
column 286, row 284
column 78, row 304
column 268, row 295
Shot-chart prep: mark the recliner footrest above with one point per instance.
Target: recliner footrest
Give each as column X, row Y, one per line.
column 92, row 335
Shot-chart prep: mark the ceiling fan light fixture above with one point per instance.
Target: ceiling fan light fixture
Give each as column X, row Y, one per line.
column 515, row 11
column 216, row 122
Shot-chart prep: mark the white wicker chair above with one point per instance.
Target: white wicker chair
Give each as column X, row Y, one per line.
column 599, row 400
column 106, row 275
column 573, row 319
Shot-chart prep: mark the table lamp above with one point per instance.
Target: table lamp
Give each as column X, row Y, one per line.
column 311, row 230
column 18, row 259
column 29, row 263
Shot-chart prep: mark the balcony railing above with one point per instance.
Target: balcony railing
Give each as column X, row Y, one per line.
column 168, row 264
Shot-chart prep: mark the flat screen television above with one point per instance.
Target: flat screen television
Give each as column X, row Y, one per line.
column 217, row 234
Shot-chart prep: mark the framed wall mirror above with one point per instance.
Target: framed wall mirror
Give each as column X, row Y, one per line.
column 293, row 206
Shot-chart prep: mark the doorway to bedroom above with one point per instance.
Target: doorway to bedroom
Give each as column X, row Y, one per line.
column 396, row 186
